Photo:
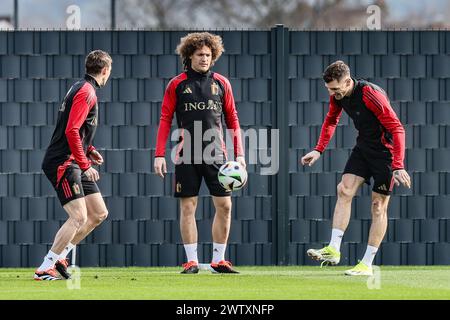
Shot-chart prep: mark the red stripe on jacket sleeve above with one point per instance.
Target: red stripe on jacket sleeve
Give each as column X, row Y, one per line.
column 379, row 104
column 231, row 116
column 78, row 114
column 165, row 121
column 329, row 125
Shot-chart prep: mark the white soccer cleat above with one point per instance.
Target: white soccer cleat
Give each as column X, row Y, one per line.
column 327, row 254
column 47, row 275
column 361, row 269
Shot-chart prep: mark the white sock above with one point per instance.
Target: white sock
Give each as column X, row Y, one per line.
column 336, row 238
column 369, row 255
column 191, row 252
column 66, row 250
column 218, row 252
column 49, row 261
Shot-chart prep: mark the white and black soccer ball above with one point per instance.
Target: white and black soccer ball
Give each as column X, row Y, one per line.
column 232, row 176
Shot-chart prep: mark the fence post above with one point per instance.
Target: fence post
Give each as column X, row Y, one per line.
column 280, row 182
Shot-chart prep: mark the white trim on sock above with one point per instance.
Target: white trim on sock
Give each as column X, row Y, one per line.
column 66, row 250
column 191, row 252
column 336, row 238
column 49, row 261
column 369, row 255
column 218, row 252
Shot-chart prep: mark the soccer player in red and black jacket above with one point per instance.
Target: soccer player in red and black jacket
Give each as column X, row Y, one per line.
column 68, row 165
column 200, row 98
column 378, row 154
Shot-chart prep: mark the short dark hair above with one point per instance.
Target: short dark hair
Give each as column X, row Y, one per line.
column 96, row 60
column 336, row 71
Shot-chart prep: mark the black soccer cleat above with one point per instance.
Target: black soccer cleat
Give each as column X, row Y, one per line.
column 190, row 267
column 61, row 266
column 223, row 267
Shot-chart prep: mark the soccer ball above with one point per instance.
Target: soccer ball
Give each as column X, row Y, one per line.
column 232, row 176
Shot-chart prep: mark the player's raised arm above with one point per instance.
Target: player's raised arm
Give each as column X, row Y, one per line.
column 327, row 132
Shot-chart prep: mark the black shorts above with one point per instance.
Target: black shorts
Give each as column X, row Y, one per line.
column 368, row 164
column 72, row 185
column 188, row 179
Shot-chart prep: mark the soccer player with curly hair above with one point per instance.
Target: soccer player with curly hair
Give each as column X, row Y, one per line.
column 200, row 98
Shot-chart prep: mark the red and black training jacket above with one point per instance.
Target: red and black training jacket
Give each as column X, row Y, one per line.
column 75, row 128
column 379, row 128
column 201, row 97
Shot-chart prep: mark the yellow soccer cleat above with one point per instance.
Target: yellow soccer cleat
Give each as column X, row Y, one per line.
column 361, row 269
column 327, row 254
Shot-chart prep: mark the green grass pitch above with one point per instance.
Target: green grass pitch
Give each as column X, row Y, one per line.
column 273, row 283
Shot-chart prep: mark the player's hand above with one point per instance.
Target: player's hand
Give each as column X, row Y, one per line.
column 241, row 160
column 92, row 174
column 96, row 157
column 160, row 166
column 310, row 158
column 401, row 176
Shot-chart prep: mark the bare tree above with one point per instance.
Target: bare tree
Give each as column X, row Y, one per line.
column 428, row 17
column 304, row 14
column 292, row 13
column 150, row 13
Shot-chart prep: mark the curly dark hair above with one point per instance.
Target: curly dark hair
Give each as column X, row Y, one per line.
column 197, row 40
column 336, row 71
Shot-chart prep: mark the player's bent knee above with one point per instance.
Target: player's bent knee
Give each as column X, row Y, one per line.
column 378, row 208
column 100, row 217
column 79, row 220
column 188, row 209
column 224, row 208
